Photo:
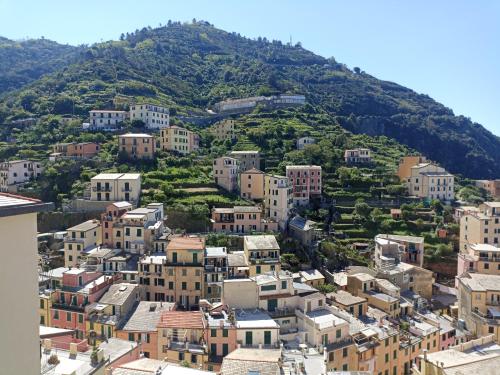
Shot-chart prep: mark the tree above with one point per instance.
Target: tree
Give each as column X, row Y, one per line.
column 362, row 210
column 357, row 70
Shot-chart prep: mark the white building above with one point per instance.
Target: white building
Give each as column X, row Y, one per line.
column 430, row 181
column 116, row 187
column 304, row 141
column 153, row 116
column 106, row 119
column 16, row 172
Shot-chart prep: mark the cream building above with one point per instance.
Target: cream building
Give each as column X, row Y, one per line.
column 225, row 173
column 19, row 284
column 278, row 199
column 153, row 116
column 252, row 184
column 223, row 130
column 80, row 239
column 430, row 181
column 247, row 159
column 358, row 156
column 491, row 186
column 263, row 254
column 480, row 227
column 16, row 172
column 116, row 187
column 181, row 140
column 106, row 119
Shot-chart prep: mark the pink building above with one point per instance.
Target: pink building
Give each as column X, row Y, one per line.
column 305, row 181
column 447, row 332
column 78, row 289
column 113, row 212
column 241, row 219
column 78, row 150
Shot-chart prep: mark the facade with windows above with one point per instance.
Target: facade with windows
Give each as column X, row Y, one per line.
column 106, row 119
column 153, row 116
column 116, row 187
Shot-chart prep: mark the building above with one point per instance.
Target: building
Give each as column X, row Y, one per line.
column 476, row 357
column 80, row 150
column 312, row 278
column 252, row 361
column 305, row 141
column 491, row 186
column 263, row 254
column 358, row 156
column 223, row 130
column 116, row 187
column 137, row 146
column 106, row 119
column 225, row 172
column 221, row 337
column 430, row 182
column 405, row 165
column 153, row 116
column 241, row 219
column 481, row 258
column 180, row 140
column 481, row 227
column 478, row 303
column 19, row 281
column 278, row 199
column 410, row 248
column 247, row 159
column 256, row 329
column 305, row 181
column 110, row 216
column 182, row 337
column 252, row 184
column 15, row 173
column 354, row 305
column 147, row 366
column 303, row 230
column 464, row 210
column 216, row 271
column 244, row 105
column 80, row 240
column 141, row 326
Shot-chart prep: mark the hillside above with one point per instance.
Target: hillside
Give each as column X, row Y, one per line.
column 191, row 66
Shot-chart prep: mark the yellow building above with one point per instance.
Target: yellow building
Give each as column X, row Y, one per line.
column 80, row 239
column 181, row 140
column 252, row 184
column 405, row 165
column 223, row 130
column 481, row 227
column 263, row 254
column 46, row 300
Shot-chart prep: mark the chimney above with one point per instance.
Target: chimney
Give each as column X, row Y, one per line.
column 47, row 344
column 73, row 349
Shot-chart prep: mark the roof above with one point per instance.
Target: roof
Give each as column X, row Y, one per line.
column 118, row 294
column 148, row 366
column 186, row 243
column 243, row 152
column 245, row 361
column 311, row 275
column 345, row 298
column 182, row 319
column 324, row 318
column 381, row 296
column 481, row 283
column 146, row 315
column 117, row 176
column 122, row 204
column 135, row 135
column 253, row 171
column 11, row 204
column 303, row 167
column 86, row 226
column 215, row 252
column 301, row 223
column 106, row 110
column 254, row 318
column 237, row 259
column 484, row 247
column 396, row 237
column 262, row 242
column 363, row 276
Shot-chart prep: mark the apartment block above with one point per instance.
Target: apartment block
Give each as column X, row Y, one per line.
column 225, row 172
column 408, row 249
column 480, row 227
column 256, row 329
column 305, row 141
column 241, row 219
column 76, row 150
column 278, row 200
column 430, row 181
column 223, row 130
column 358, row 156
column 252, row 184
column 216, row 271
column 16, row 172
column 405, row 165
column 136, row 145
column 106, row 119
column 116, row 187
column 111, row 215
column 180, row 140
column 479, row 257
column 19, row 283
column 153, row 116
column 263, row 254
column 305, row 181
column 247, row 159
column 221, row 337
column 491, row 186
column 80, row 240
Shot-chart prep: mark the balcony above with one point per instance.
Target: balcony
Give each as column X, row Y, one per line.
column 194, row 348
column 126, row 189
column 65, row 306
column 100, row 189
column 211, row 268
column 71, row 239
column 281, row 312
column 186, row 264
column 340, row 344
column 267, row 260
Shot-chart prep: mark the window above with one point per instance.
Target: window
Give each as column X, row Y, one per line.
column 386, row 357
column 395, row 354
column 197, row 285
column 80, row 318
column 258, row 270
column 224, row 333
column 68, row 317
column 225, row 349
column 386, row 342
column 56, row 314
column 42, row 304
column 344, row 352
column 181, row 356
column 184, row 285
column 267, row 337
column 344, row 367
column 283, row 285
column 338, row 334
column 248, row 338
column 213, row 333
column 131, row 337
column 267, row 287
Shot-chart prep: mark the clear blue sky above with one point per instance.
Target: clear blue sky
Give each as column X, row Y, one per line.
column 448, row 49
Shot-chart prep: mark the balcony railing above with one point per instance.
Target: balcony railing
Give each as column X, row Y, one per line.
column 65, row 306
column 264, row 260
column 211, row 268
column 102, row 188
column 187, row 346
column 340, row 344
column 126, row 189
column 71, row 239
column 486, row 318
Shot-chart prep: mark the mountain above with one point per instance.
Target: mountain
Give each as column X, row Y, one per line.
column 25, row 61
column 189, row 67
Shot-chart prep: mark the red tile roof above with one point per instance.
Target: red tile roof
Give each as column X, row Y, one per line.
column 182, row 319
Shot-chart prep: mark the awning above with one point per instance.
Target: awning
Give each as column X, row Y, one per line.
column 243, row 268
column 494, row 311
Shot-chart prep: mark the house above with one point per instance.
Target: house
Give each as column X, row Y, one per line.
column 479, row 258
column 396, row 213
column 19, row 282
column 140, row 326
column 180, row 140
column 256, row 329
column 430, row 181
column 405, row 165
column 358, row 156
column 312, row 278
column 136, row 145
column 116, row 187
column 409, row 249
column 354, row 305
column 14, row 173
column 305, row 181
column 223, row 130
column 252, row 184
column 278, row 200
column 263, row 254
column 110, row 216
column 252, row 361
column 221, row 336
column 153, row 116
column 305, row 141
column 482, row 226
column 491, row 186
column 216, row 271
column 80, row 150
column 247, row 159
column 241, row 219
column 106, row 119
column 244, row 105
column 81, row 239
column 225, row 172
column 303, row 230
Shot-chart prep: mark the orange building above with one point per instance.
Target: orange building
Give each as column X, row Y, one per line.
column 405, row 165
column 137, row 146
column 77, row 150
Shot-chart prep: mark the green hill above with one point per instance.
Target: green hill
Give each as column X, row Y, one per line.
column 189, row 67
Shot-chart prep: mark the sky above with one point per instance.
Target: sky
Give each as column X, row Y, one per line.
column 447, row 49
